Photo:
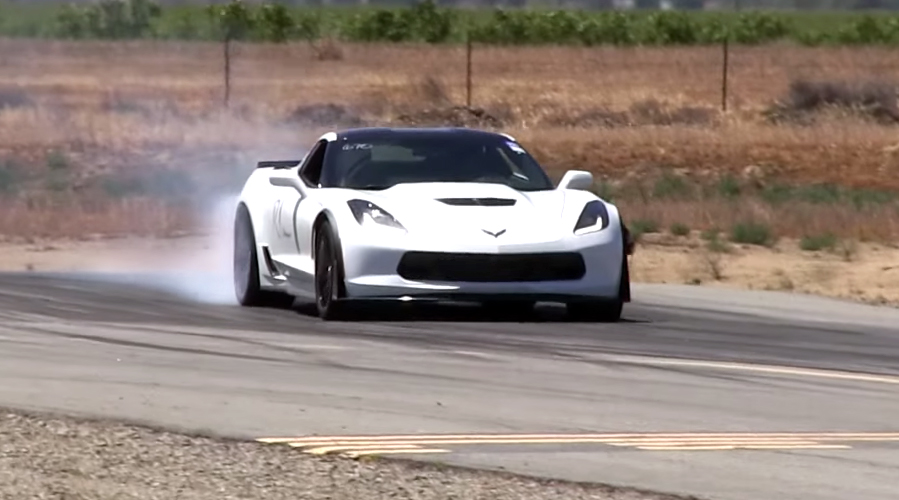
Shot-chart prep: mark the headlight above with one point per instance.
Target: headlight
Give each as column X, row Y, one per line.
column 367, row 212
column 595, row 217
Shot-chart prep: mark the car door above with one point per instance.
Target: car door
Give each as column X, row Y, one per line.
column 308, row 209
column 292, row 218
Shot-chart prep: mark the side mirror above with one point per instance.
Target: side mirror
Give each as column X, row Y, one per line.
column 576, row 179
column 288, row 181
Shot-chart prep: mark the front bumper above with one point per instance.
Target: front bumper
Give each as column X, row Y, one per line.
column 586, row 267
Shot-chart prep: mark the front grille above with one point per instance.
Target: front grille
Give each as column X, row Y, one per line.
column 439, row 266
column 478, row 202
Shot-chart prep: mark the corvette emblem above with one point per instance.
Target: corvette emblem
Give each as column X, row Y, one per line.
column 495, row 235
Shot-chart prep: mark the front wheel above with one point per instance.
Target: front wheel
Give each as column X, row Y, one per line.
column 509, row 308
column 602, row 311
column 606, row 311
column 328, row 277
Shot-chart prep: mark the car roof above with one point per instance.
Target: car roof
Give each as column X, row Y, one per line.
column 368, row 133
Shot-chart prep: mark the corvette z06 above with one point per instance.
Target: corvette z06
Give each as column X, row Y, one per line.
column 427, row 213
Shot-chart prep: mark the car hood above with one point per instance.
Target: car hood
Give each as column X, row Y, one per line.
column 492, row 213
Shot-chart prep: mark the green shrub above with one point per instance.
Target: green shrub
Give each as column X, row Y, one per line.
column 604, row 190
column 56, row 160
column 108, row 19
column 679, row 229
column 233, row 20
column 752, row 233
column 826, row 241
column 755, row 27
column 729, row 187
column 777, row 194
column 710, row 234
column 713, row 241
column 644, row 226
column 10, row 177
column 275, row 23
column 671, row 186
column 423, row 22
column 673, row 28
column 429, row 22
column 57, row 181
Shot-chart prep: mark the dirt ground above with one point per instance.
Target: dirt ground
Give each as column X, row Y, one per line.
column 862, row 272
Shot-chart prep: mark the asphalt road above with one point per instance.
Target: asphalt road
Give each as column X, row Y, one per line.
column 570, row 400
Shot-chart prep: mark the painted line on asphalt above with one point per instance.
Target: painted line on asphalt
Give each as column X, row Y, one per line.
column 410, row 444
column 322, row 450
column 619, row 435
column 746, row 447
column 754, row 367
column 356, row 454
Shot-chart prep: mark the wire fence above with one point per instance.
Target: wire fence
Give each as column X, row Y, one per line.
column 727, row 77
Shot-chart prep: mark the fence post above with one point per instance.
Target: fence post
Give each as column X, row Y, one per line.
column 468, row 70
column 227, row 54
column 724, row 74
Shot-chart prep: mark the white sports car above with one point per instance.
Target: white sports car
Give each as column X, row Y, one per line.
column 427, row 213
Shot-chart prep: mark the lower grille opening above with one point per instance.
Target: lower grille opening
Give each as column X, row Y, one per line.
column 440, row 266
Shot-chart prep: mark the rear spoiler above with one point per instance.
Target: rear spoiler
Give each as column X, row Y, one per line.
column 277, row 164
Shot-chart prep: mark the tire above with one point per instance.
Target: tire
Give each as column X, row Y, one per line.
column 328, row 276
column 598, row 311
column 604, row 311
column 507, row 308
column 246, row 267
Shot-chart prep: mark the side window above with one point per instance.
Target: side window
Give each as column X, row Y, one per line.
column 311, row 171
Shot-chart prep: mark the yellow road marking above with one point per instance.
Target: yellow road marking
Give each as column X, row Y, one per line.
column 613, row 441
column 321, row 450
column 511, row 441
column 525, row 438
column 355, row 454
column 710, row 442
column 370, row 445
column 686, row 448
column 357, row 444
column 807, row 446
column 748, row 447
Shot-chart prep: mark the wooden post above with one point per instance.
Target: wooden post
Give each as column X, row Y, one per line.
column 227, row 54
column 468, row 70
column 724, row 75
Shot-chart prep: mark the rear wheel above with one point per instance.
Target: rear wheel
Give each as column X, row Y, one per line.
column 246, row 268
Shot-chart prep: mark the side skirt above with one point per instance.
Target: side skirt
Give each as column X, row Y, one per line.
column 270, row 265
column 298, row 282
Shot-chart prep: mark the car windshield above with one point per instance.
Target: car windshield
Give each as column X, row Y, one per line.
column 379, row 162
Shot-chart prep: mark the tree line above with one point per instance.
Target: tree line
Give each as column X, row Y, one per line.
column 431, row 22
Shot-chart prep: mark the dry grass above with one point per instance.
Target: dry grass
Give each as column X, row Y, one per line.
column 86, row 219
column 138, row 107
column 789, row 219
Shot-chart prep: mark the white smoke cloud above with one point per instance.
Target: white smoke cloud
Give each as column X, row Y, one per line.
column 200, row 270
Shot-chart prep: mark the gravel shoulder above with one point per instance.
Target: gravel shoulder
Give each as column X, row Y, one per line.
column 52, row 456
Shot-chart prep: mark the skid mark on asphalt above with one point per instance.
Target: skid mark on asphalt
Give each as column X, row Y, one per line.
column 355, row 446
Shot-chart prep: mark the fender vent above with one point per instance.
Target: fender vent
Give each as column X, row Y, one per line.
column 478, row 202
